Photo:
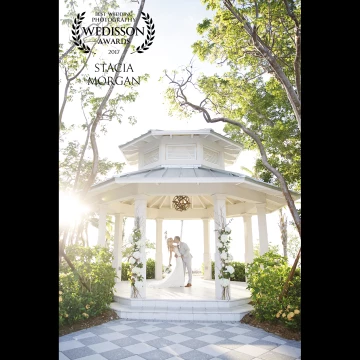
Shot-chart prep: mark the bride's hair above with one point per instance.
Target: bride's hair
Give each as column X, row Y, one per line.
column 169, row 243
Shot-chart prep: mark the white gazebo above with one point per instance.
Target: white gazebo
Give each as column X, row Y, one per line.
column 191, row 163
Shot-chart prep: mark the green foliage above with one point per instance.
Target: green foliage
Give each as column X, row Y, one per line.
column 243, row 93
column 150, row 269
column 127, row 248
column 174, row 107
column 225, row 38
column 263, row 107
column 239, row 273
column 73, row 64
column 266, row 276
column 272, row 248
column 125, row 271
column 293, row 245
column 69, row 164
column 94, row 265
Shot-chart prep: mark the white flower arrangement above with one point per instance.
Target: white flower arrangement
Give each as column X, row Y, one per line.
column 136, row 278
column 226, row 271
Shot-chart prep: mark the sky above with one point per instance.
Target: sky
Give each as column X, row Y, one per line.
column 175, row 31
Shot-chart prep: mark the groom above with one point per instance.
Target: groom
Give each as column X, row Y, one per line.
column 186, row 257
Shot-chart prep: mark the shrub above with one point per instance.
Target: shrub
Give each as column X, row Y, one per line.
column 266, row 276
column 239, row 274
column 150, row 270
column 94, row 265
column 125, row 271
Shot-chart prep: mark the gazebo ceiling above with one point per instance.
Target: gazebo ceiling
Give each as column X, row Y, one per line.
column 197, row 202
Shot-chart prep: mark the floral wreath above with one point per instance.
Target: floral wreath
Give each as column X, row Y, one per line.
column 136, row 265
column 226, row 271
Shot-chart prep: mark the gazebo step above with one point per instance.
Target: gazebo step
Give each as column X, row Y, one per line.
column 180, row 304
column 188, row 313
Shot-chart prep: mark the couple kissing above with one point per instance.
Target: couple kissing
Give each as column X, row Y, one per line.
column 183, row 257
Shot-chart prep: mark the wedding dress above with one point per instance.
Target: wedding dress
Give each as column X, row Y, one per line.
column 175, row 278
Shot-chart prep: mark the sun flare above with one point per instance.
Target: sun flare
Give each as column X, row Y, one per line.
column 70, row 208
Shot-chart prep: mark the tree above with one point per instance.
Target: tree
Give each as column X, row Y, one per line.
column 262, row 36
column 179, row 101
column 263, row 107
column 71, row 177
column 257, row 95
column 73, row 63
column 256, row 37
column 74, row 169
column 293, row 244
column 100, row 110
column 102, row 107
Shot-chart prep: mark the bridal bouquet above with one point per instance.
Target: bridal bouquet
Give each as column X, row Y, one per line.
column 168, row 269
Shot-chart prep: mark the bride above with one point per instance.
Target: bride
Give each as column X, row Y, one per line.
column 176, row 277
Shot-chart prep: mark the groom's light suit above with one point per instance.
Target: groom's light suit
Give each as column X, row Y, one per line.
column 186, row 257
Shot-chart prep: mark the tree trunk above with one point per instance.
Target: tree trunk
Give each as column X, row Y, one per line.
column 283, row 230
column 291, row 275
column 86, row 239
column 73, row 233
column 79, row 232
column 82, row 158
column 74, row 270
column 62, row 243
column 68, row 81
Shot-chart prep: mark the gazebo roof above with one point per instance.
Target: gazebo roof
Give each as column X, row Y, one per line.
column 162, row 183
column 192, row 174
column 132, row 148
column 166, row 177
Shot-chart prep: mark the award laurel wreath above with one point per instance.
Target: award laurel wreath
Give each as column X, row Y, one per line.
column 150, row 34
column 76, row 36
column 140, row 49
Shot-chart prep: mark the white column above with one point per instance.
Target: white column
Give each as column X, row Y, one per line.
column 219, row 220
column 102, row 225
column 249, row 246
column 263, row 235
column 140, row 212
column 207, row 257
column 118, row 243
column 158, row 254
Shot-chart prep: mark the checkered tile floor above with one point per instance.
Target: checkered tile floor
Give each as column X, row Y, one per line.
column 170, row 340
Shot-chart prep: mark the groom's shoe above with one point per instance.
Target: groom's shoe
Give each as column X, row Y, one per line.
column 188, row 285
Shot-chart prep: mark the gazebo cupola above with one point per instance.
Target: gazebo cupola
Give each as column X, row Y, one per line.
column 191, row 148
